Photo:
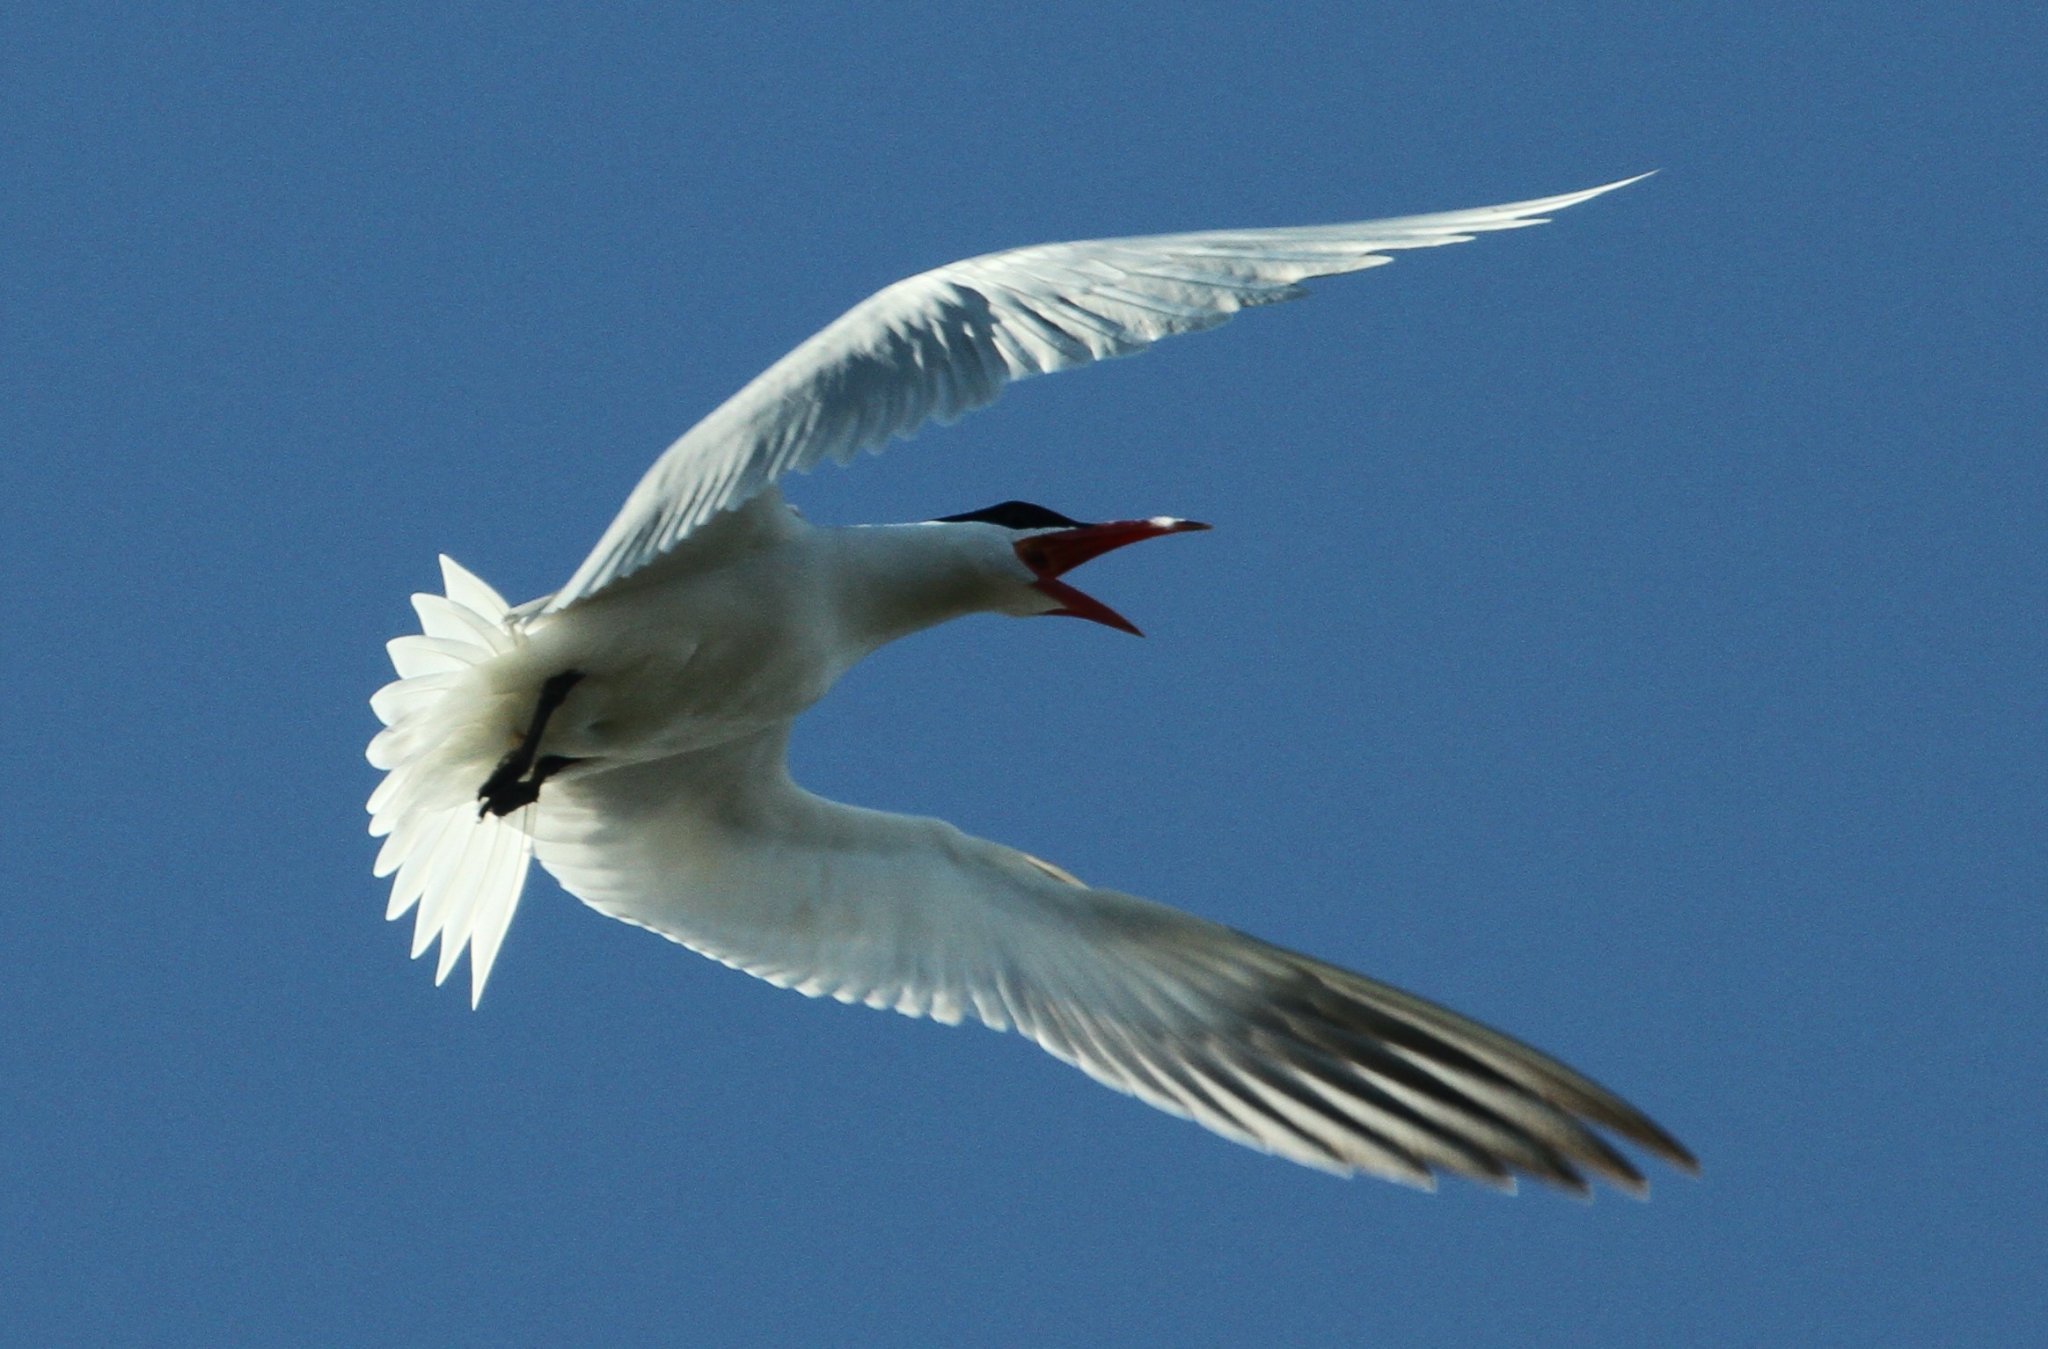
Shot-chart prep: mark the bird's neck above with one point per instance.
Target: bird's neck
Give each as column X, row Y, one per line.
column 893, row 580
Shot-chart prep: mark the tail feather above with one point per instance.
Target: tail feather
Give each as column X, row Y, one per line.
column 463, row 871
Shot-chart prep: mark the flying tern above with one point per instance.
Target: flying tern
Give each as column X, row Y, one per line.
column 629, row 732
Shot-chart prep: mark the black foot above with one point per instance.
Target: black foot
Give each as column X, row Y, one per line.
column 503, row 797
column 508, row 788
column 516, row 792
column 517, row 779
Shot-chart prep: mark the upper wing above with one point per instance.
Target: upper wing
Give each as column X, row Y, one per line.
column 945, row 342
column 721, row 852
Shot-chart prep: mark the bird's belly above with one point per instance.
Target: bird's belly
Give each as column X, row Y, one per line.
column 631, row 706
column 674, row 668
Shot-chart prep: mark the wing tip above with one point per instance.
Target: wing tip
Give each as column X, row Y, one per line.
column 1587, row 194
column 1624, row 182
column 1539, row 210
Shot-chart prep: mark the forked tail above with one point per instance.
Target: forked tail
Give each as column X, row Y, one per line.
column 443, row 729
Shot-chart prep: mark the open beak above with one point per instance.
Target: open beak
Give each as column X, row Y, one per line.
column 1056, row 552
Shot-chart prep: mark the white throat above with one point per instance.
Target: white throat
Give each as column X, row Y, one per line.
column 893, row 580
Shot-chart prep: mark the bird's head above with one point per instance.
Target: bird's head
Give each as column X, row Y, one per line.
column 1046, row 545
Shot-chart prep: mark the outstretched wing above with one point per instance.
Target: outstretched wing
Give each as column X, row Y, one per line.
column 721, row 852
column 945, row 342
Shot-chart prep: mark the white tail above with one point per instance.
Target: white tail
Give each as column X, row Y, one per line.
column 443, row 733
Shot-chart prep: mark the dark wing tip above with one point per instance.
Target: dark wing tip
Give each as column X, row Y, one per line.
column 1500, row 1106
column 1645, row 1133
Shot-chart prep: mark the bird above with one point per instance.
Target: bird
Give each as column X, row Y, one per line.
column 629, row 732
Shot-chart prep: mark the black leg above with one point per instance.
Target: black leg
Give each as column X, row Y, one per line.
column 508, row 787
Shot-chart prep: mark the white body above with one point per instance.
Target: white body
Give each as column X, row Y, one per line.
column 709, row 616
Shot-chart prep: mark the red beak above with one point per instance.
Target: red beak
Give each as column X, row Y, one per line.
column 1059, row 551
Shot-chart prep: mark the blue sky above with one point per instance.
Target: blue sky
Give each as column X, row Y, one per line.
column 1627, row 631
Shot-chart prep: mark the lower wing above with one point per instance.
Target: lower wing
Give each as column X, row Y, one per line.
column 721, row 852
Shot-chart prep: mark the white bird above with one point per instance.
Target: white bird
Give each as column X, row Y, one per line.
column 629, row 732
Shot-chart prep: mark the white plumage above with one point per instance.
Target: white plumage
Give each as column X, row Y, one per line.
column 630, row 730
